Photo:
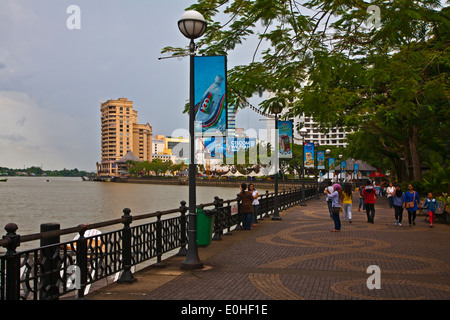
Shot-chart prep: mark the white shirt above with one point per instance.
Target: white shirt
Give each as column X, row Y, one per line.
column 255, row 201
column 390, row 190
column 330, row 190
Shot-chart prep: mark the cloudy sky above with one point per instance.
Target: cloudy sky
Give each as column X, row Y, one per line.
column 53, row 79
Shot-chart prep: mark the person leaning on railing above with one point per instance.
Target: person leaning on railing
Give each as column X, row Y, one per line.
column 246, row 206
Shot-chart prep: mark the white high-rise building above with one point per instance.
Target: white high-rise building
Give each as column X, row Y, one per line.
column 334, row 137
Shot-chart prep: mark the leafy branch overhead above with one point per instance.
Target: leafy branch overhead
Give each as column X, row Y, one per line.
column 322, row 59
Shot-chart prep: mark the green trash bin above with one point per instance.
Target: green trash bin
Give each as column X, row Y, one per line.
column 205, row 226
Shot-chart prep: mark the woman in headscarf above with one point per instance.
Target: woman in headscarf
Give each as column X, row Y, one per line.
column 336, row 197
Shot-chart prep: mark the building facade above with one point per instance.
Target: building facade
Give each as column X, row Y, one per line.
column 334, row 137
column 120, row 134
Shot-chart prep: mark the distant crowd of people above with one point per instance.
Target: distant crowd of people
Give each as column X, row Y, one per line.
column 339, row 199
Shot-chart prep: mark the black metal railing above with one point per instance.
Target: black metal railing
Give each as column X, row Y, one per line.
column 58, row 268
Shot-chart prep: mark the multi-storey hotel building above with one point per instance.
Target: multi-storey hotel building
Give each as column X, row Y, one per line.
column 122, row 136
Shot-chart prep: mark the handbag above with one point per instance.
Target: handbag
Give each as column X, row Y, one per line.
column 335, row 210
column 410, row 205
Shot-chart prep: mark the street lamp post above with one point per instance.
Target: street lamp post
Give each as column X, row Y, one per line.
column 327, row 152
column 276, row 109
column 192, row 25
column 316, row 145
column 303, row 133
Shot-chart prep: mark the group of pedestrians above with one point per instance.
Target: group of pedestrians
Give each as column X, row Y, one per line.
column 340, row 200
column 410, row 201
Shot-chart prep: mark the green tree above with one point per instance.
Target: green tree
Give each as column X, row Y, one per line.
column 317, row 58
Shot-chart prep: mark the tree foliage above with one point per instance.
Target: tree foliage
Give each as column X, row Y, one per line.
column 389, row 84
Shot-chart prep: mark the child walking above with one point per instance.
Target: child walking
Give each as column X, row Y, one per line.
column 432, row 206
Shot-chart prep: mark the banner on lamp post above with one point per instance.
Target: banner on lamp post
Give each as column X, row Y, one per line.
column 285, row 139
column 331, row 165
column 343, row 166
column 210, row 95
column 308, row 156
column 321, row 160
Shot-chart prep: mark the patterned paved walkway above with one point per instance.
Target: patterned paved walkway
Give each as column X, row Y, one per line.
column 298, row 258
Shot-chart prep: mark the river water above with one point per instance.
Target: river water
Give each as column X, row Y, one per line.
column 31, row 201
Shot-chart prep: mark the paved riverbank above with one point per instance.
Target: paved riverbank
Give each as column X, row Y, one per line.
column 298, row 258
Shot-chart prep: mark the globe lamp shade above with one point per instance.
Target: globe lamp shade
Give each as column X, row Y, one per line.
column 192, row 24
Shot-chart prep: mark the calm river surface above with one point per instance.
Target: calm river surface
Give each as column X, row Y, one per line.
column 31, row 201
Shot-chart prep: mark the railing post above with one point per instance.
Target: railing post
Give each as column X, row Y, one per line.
column 48, row 257
column 238, row 226
column 127, row 275
column 12, row 281
column 183, row 239
column 218, row 221
column 159, row 242
column 82, row 261
column 267, row 205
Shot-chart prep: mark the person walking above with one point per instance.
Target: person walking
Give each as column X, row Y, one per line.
column 255, row 203
column 410, row 203
column 390, row 190
column 398, row 197
column 246, row 206
column 347, row 202
column 361, row 198
column 335, row 197
column 369, row 201
column 329, row 200
column 432, row 207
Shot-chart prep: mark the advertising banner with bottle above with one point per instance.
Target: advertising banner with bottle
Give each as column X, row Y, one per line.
column 210, row 78
column 308, row 157
column 285, row 139
column 321, row 160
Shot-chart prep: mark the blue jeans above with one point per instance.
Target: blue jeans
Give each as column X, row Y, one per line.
column 247, row 220
column 329, row 208
column 361, row 203
column 255, row 213
column 337, row 221
column 391, row 202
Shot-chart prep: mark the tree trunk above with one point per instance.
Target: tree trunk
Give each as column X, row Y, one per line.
column 413, row 139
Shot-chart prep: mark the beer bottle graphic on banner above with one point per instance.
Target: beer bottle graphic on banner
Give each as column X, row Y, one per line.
column 210, row 101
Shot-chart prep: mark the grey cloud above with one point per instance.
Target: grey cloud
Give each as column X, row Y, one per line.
column 13, row 137
column 21, row 122
column 2, row 65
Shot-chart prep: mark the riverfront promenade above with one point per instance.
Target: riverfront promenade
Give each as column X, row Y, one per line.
column 298, row 258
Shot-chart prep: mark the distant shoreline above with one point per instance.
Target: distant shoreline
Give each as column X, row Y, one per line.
column 282, row 184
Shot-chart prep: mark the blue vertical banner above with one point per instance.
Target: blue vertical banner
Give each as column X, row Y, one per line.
column 308, row 156
column 285, row 139
column 343, row 166
column 331, row 165
column 210, row 80
column 321, row 160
